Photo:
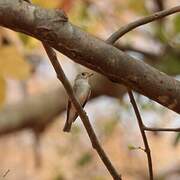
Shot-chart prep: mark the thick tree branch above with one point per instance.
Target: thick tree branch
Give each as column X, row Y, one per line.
column 91, row 52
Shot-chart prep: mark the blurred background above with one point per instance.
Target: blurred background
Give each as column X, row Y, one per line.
column 33, row 102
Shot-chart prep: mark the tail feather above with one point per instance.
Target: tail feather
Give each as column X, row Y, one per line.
column 67, row 126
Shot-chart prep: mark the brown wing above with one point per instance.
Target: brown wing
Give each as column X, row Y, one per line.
column 67, row 125
column 68, row 109
column 83, row 104
column 70, row 104
column 88, row 96
column 68, row 122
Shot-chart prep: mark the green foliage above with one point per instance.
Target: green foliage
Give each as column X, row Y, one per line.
column 160, row 33
column 109, row 126
column 139, row 6
column 76, row 130
column 28, row 41
column 131, row 147
column 2, row 90
column 147, row 106
column 85, row 159
column 170, row 64
column 176, row 140
column 81, row 16
column 59, row 177
column 99, row 178
column 177, row 23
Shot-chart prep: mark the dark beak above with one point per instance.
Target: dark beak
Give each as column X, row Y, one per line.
column 90, row 74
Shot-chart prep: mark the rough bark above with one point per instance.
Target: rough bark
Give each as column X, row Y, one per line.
column 85, row 49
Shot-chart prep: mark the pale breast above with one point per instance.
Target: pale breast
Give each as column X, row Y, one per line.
column 81, row 87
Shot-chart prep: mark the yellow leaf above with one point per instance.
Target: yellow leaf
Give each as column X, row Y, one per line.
column 2, row 90
column 13, row 64
column 47, row 3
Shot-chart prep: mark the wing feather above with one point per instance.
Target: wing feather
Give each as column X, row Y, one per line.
column 69, row 119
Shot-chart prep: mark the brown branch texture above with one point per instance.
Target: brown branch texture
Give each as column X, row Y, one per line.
column 85, row 49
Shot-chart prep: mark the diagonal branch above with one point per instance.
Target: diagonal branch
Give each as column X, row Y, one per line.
column 158, row 15
column 95, row 143
column 62, row 77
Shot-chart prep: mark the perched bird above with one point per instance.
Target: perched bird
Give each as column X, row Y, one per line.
column 82, row 91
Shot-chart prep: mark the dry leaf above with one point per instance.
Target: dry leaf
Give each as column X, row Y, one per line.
column 13, row 64
column 2, row 90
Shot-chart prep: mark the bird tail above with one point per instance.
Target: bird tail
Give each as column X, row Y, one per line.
column 67, row 126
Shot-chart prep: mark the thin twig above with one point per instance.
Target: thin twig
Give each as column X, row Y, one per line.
column 129, row 27
column 162, row 129
column 141, row 126
column 5, row 174
column 151, row 55
column 37, row 149
column 95, row 143
column 111, row 40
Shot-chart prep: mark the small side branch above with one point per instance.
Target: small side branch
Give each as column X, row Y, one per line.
column 141, row 127
column 111, row 40
column 95, row 143
column 162, row 129
column 6, row 173
column 129, row 27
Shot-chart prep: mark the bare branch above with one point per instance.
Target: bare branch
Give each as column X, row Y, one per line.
column 151, row 55
column 129, row 27
column 112, row 40
column 162, row 129
column 141, row 127
column 37, row 149
column 5, row 174
column 95, row 143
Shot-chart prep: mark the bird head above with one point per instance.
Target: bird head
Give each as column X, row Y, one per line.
column 84, row 75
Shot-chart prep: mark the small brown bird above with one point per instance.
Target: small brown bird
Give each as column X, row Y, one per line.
column 82, row 91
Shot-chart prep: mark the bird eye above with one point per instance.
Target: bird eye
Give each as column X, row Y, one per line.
column 83, row 74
